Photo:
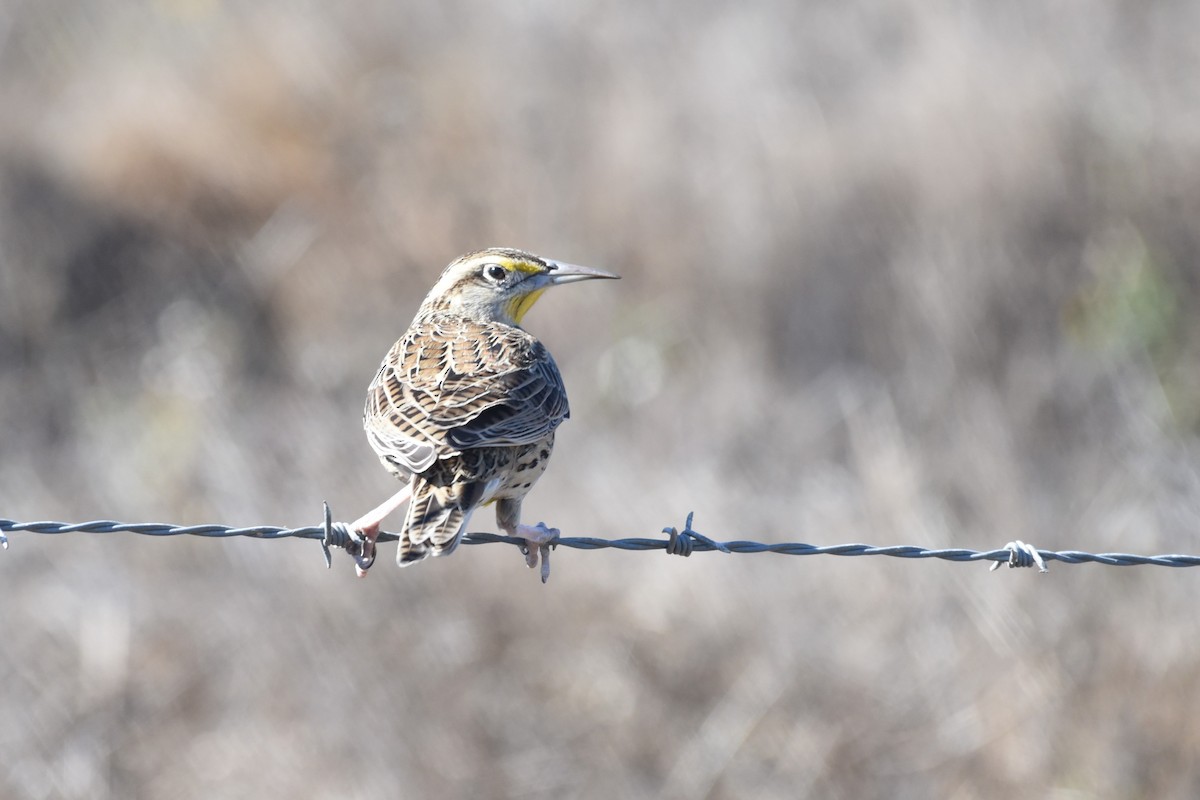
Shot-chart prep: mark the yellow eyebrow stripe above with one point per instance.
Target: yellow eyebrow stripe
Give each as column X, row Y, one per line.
column 518, row 265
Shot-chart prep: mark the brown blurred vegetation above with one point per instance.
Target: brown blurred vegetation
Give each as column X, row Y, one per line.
column 909, row 272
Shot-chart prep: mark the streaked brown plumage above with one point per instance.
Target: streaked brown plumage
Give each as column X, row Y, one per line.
column 465, row 404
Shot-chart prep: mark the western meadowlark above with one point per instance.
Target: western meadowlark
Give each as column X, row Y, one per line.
column 464, row 407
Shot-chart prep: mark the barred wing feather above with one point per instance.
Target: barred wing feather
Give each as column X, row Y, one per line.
column 454, row 385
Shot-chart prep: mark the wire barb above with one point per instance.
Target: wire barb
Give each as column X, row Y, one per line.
column 1021, row 555
column 338, row 534
column 679, row 543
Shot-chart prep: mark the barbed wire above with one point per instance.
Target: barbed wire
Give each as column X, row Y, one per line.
column 683, row 543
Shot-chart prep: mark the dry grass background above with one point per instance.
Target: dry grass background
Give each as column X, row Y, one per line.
column 901, row 272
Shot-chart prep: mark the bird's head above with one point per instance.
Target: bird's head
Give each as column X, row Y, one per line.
column 500, row 284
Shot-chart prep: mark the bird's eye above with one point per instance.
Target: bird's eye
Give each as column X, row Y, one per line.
column 495, row 273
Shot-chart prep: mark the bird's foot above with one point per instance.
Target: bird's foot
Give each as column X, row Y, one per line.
column 364, row 548
column 366, row 528
column 539, row 540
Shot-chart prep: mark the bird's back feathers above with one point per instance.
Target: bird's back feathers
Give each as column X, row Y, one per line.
column 452, row 384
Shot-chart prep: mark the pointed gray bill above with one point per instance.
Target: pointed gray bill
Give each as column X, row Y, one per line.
column 569, row 273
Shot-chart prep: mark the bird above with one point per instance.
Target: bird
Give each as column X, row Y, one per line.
column 465, row 405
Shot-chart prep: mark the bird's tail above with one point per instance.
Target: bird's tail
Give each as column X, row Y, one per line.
column 433, row 525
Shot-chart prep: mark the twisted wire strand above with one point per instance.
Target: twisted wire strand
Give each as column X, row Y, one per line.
column 685, row 542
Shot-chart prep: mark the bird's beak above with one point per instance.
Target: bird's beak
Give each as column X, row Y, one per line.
column 570, row 273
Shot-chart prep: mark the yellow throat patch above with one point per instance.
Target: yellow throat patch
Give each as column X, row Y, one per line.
column 519, row 306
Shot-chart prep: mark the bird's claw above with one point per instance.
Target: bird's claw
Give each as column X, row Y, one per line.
column 363, row 550
column 539, row 541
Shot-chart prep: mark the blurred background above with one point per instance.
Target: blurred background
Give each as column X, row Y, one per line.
column 902, row 273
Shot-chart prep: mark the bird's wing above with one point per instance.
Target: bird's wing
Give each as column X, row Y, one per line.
column 513, row 408
column 392, row 424
column 445, row 387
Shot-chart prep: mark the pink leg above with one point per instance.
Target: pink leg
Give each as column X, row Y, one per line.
column 540, row 538
column 368, row 525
